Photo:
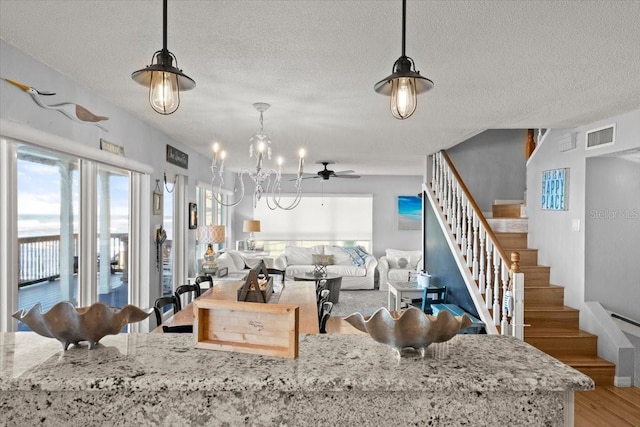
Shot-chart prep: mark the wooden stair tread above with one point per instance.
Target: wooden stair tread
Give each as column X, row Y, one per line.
column 580, row 361
column 562, row 308
column 556, row 333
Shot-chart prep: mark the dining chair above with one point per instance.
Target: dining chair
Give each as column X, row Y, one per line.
column 433, row 296
column 162, row 302
column 201, row 279
column 195, row 288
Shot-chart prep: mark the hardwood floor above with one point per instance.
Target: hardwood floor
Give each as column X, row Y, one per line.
column 608, row 406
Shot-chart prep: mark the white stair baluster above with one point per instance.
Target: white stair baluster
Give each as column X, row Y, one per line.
column 474, row 266
column 504, row 324
column 489, row 295
column 481, row 277
column 469, row 253
column 497, row 263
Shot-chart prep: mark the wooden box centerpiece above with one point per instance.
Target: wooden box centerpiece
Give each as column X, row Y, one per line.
column 244, row 327
column 258, row 286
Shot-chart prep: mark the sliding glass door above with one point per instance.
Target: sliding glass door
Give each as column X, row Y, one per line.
column 70, row 226
column 48, row 196
column 113, row 235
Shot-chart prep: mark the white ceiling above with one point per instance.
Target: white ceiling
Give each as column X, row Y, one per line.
column 495, row 64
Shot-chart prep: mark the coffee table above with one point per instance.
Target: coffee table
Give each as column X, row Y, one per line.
column 334, row 283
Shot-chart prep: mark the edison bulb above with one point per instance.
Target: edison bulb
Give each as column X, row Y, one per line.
column 403, row 97
column 164, row 95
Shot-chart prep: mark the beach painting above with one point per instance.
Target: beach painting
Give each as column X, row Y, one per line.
column 409, row 213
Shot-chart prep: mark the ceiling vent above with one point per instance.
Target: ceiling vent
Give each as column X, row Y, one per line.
column 601, row 136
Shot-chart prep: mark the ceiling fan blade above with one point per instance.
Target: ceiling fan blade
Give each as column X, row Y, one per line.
column 346, row 176
column 344, row 172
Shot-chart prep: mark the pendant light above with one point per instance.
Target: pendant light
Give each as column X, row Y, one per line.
column 163, row 79
column 405, row 82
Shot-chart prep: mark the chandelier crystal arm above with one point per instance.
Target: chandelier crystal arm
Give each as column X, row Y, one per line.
column 216, row 194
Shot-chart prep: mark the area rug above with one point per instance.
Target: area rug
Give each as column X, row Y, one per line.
column 365, row 302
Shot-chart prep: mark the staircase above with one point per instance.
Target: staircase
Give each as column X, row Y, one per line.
column 554, row 327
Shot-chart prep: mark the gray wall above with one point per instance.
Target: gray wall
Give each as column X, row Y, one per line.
column 559, row 244
column 492, row 165
column 142, row 142
column 612, row 233
column 385, row 190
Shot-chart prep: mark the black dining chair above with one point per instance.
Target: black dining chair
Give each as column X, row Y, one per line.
column 160, row 303
column 195, row 288
column 201, row 279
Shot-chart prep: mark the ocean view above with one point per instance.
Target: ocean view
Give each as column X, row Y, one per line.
column 32, row 225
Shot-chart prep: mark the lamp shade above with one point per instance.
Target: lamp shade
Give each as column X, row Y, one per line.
column 251, row 225
column 211, row 234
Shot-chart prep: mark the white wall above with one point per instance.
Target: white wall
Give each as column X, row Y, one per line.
column 385, row 190
column 140, row 141
column 613, row 215
column 551, row 231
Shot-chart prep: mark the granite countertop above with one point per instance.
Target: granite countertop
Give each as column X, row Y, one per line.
column 481, row 363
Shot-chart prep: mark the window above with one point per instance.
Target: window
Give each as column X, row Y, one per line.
column 343, row 220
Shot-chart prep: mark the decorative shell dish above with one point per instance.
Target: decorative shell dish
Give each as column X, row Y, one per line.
column 409, row 328
column 70, row 325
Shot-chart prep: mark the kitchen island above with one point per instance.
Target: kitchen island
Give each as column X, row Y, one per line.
column 339, row 380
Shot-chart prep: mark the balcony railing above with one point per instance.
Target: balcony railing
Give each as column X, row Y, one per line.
column 39, row 257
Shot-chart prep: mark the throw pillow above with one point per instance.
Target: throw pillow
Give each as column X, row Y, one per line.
column 298, row 256
column 322, row 259
column 402, row 262
column 225, row 260
column 413, row 257
column 355, row 256
column 340, row 255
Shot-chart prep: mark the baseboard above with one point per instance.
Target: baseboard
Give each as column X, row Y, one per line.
column 622, row 381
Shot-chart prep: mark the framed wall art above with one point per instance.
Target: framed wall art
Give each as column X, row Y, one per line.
column 409, row 213
column 555, row 189
column 193, row 216
column 156, row 203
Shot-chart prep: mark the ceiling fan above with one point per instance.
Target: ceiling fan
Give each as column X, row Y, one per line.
column 325, row 174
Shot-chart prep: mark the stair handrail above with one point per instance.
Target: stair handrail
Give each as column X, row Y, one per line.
column 503, row 254
column 477, row 241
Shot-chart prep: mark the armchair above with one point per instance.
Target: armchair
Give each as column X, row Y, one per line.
column 397, row 265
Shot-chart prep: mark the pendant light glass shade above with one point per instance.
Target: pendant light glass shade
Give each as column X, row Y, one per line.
column 405, row 83
column 163, row 79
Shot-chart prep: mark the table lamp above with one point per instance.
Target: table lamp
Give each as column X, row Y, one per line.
column 210, row 234
column 250, row 226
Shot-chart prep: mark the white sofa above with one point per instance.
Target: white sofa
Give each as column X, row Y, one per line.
column 296, row 260
column 397, row 265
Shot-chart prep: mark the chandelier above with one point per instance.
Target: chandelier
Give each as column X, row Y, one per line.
column 267, row 182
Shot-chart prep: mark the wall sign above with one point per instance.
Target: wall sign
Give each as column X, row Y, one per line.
column 555, row 189
column 177, row 157
column 111, row 147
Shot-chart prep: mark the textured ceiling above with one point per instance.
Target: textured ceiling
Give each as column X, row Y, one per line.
column 495, row 64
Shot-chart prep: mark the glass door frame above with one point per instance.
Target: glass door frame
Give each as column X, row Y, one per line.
column 14, row 133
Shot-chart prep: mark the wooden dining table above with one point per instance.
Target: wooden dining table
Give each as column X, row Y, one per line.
column 302, row 294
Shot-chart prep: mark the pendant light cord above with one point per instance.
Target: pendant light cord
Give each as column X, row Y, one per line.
column 404, row 24
column 164, row 25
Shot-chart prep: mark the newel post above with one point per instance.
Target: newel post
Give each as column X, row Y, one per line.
column 516, row 305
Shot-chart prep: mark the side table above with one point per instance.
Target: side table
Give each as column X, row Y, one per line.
column 399, row 290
